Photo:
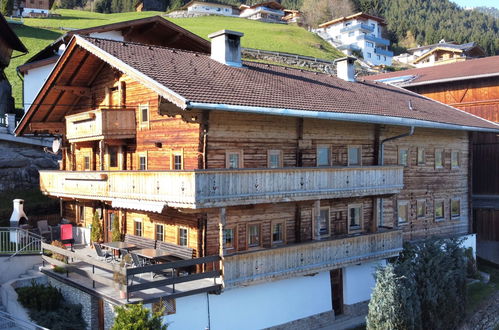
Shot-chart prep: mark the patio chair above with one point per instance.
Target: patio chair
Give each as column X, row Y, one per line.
column 43, row 228
column 67, row 235
column 123, row 253
column 102, row 255
column 136, row 260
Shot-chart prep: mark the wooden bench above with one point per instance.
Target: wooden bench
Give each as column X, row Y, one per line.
column 182, row 252
column 140, row 242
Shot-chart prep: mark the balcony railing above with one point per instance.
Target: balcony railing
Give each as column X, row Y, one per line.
column 224, row 187
column 308, row 258
column 376, row 40
column 101, row 124
column 360, row 26
column 384, row 52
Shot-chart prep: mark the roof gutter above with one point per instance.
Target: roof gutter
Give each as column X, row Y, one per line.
column 355, row 117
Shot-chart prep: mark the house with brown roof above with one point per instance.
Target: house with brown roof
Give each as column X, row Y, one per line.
column 471, row 86
column 273, row 189
column 270, row 12
column 198, row 7
column 33, row 8
column 445, row 53
column 151, row 30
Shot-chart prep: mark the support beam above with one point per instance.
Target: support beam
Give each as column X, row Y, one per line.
column 76, row 90
column 52, row 127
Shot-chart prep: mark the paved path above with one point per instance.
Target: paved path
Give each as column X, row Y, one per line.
column 486, row 318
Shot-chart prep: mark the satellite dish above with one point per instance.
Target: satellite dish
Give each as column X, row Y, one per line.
column 56, row 145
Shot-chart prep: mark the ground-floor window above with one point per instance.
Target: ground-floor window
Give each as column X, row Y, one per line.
column 183, row 236
column 137, row 227
column 253, row 235
column 160, row 232
column 355, row 217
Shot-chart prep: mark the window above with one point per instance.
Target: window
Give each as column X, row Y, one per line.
column 324, row 222
column 354, row 217
column 455, row 208
column 137, row 227
column 421, row 156
column 234, row 159
column 348, row 24
column 378, row 57
column 160, row 232
column 86, row 163
column 403, row 156
column 439, row 210
column 81, row 213
column 323, row 156
column 369, row 44
column 277, row 232
column 182, row 236
column 253, row 235
column 228, row 238
column 454, row 159
column 177, row 162
column 350, row 34
column 402, row 212
column 274, row 159
column 439, row 158
column 143, row 162
column 113, row 156
column 369, row 55
column 144, row 115
column 421, row 208
column 354, row 156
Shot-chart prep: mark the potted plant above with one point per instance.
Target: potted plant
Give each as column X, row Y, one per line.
column 96, row 230
column 119, row 278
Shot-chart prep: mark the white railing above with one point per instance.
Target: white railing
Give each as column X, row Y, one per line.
column 12, row 322
column 15, row 241
column 225, row 187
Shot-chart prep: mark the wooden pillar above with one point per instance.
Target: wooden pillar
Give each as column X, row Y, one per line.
column 101, row 155
column 298, row 223
column 122, row 90
column 73, row 157
column 316, row 222
column 221, row 224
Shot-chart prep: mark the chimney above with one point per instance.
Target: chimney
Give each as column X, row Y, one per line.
column 345, row 69
column 18, row 214
column 226, row 47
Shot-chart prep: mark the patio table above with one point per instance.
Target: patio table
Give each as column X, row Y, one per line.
column 153, row 254
column 117, row 246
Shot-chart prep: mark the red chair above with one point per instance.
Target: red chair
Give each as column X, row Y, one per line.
column 67, row 235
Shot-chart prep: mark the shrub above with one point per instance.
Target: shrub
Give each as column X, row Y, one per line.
column 39, row 297
column 115, row 230
column 58, row 256
column 138, row 317
column 67, row 317
column 96, row 232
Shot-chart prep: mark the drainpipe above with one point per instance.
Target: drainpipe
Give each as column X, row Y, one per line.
column 381, row 160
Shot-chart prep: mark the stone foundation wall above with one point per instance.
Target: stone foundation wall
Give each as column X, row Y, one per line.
column 358, row 309
column 20, row 163
column 312, row 322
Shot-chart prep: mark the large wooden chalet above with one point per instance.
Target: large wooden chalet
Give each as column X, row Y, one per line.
column 301, row 182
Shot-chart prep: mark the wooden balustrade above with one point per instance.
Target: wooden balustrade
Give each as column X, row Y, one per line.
column 101, row 124
column 308, row 258
column 224, row 187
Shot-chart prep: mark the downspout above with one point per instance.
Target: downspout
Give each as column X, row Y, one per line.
column 22, row 94
column 381, row 162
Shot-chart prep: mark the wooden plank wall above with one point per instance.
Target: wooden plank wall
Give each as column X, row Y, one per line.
column 486, row 163
column 487, row 224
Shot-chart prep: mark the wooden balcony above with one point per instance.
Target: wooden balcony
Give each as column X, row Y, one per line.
column 101, row 124
column 224, row 187
column 308, row 258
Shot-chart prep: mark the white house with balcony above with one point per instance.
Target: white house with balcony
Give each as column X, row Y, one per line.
column 270, row 12
column 210, row 8
column 359, row 32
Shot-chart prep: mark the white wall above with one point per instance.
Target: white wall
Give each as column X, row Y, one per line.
column 27, row 11
column 256, row 306
column 358, row 282
column 470, row 242
column 33, row 81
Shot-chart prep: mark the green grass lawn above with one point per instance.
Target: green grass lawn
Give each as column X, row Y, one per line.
column 37, row 33
column 480, row 292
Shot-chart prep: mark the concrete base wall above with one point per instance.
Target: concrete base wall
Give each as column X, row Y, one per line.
column 11, row 269
column 358, row 282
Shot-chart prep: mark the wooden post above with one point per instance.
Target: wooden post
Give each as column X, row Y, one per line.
column 73, row 157
column 221, row 224
column 317, row 214
column 101, row 155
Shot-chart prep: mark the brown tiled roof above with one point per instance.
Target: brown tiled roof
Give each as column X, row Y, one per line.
column 454, row 71
column 198, row 78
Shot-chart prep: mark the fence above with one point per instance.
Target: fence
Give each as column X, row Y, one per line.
column 8, row 321
column 15, row 241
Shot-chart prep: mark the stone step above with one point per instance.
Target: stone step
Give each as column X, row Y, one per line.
column 33, row 272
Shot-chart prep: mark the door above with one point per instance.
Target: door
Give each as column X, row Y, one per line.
column 336, row 276
column 112, row 216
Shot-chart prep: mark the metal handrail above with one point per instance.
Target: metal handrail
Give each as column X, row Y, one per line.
column 24, row 241
column 24, row 248
column 21, row 323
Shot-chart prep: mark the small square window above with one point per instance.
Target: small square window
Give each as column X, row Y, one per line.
column 323, row 156
column 421, row 208
column 274, row 159
column 234, row 159
column 402, row 212
column 439, row 158
column 277, row 232
column 228, row 238
column 454, row 158
column 403, row 156
column 142, row 163
column 369, row 55
column 324, row 222
column 137, row 228
column 160, row 232
column 177, row 162
column 455, row 208
column 439, row 210
column 144, row 114
column 354, row 156
column 421, row 156
column 253, row 235
column 183, row 236
column 354, row 217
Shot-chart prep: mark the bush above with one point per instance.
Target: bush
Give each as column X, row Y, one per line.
column 115, row 230
column 58, row 256
column 137, row 317
column 438, row 269
column 67, row 317
column 39, row 297
column 96, row 232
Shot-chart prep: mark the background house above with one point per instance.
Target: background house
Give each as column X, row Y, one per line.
column 210, row 8
column 150, row 5
column 33, row 8
column 444, row 53
column 270, row 12
column 359, row 32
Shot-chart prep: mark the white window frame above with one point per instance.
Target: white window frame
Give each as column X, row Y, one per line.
column 233, row 229
column 437, row 201
column 452, row 216
column 144, row 123
column 232, row 152
column 442, row 162
column 401, row 203
column 353, row 229
column 359, row 155
column 283, row 240
column 179, row 238
column 418, row 203
column 271, row 153
column 329, row 155
column 172, row 159
column 156, row 225
column 456, row 154
column 142, row 155
column 135, row 221
column 399, row 156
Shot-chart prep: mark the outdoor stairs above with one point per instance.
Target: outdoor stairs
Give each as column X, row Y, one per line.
column 34, row 271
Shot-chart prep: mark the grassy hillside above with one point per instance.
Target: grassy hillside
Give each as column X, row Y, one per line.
column 37, row 33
